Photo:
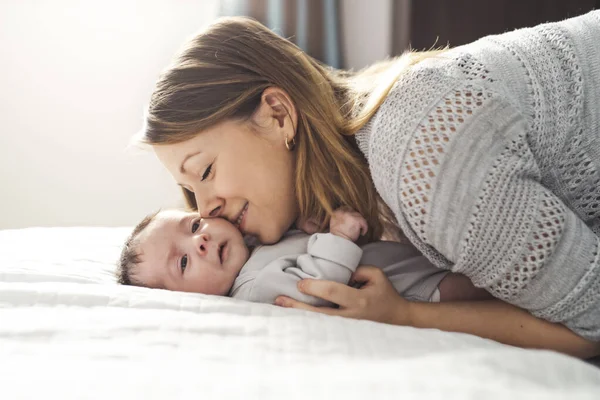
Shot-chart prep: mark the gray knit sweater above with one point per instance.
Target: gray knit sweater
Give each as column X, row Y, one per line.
column 489, row 156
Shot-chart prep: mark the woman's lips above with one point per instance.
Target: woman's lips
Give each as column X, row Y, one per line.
column 242, row 218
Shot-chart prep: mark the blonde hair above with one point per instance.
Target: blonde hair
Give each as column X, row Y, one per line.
column 221, row 74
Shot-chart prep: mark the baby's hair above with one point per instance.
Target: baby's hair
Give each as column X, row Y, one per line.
column 130, row 255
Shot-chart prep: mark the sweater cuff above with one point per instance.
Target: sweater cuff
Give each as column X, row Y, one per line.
column 335, row 249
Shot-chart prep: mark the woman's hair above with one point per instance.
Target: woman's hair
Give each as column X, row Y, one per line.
column 221, row 74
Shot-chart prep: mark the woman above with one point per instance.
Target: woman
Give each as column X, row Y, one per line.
column 486, row 156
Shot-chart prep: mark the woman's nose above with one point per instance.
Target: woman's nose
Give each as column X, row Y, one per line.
column 202, row 242
column 209, row 208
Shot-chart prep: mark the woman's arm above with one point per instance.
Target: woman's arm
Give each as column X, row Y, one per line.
column 378, row 301
column 457, row 287
column 502, row 322
column 466, row 188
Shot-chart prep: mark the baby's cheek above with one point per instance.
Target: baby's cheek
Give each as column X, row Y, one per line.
column 213, row 282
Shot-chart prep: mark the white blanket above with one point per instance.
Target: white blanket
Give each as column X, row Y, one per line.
column 68, row 331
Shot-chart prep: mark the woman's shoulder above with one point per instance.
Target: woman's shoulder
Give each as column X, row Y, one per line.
column 433, row 77
column 453, row 78
column 429, row 74
column 438, row 108
column 410, row 100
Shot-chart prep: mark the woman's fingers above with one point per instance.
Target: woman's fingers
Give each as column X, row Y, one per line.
column 334, row 292
column 288, row 302
column 376, row 300
column 367, row 273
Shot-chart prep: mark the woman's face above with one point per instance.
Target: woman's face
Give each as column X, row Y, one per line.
column 240, row 174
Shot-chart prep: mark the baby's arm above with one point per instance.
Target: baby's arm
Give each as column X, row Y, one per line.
column 416, row 278
column 328, row 257
column 457, row 287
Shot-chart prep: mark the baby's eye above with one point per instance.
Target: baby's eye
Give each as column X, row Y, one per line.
column 183, row 263
column 195, row 226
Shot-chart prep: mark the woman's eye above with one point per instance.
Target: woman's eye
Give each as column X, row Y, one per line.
column 207, row 172
column 195, row 226
column 183, row 263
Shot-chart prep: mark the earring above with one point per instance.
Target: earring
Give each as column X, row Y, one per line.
column 290, row 145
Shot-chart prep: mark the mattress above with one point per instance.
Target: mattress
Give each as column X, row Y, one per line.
column 68, row 331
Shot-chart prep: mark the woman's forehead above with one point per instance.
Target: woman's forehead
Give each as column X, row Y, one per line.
column 169, row 154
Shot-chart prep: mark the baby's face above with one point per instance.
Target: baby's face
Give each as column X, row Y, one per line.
column 180, row 251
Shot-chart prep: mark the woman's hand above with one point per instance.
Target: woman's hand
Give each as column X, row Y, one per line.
column 378, row 301
column 375, row 300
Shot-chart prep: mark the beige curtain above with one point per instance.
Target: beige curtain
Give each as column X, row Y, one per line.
column 314, row 25
column 401, row 25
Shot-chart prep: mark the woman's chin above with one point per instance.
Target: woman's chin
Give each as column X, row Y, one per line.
column 269, row 237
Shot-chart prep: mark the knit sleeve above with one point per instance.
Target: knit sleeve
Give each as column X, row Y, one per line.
column 470, row 188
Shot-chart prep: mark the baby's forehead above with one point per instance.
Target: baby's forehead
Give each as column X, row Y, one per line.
column 172, row 216
column 152, row 268
column 165, row 220
column 154, row 245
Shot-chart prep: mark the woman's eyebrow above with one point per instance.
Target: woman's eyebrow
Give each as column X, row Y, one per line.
column 182, row 167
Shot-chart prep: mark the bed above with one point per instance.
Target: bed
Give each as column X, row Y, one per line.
column 68, row 331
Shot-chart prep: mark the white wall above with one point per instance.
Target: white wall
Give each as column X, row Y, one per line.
column 366, row 31
column 74, row 78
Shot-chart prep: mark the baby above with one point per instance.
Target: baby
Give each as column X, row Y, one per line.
column 180, row 251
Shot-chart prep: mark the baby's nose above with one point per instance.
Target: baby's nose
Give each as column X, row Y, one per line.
column 202, row 241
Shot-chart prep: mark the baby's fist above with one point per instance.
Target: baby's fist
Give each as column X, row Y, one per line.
column 348, row 224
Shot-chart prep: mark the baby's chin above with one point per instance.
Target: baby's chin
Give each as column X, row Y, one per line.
column 244, row 256
column 226, row 290
column 239, row 253
column 217, row 288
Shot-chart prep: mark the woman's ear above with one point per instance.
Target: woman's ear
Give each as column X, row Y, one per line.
column 277, row 107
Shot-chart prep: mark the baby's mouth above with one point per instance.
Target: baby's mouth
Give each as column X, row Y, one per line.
column 221, row 250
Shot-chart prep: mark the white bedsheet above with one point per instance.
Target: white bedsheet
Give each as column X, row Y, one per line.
column 68, row 331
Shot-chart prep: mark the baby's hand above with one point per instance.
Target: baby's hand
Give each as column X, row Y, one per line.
column 308, row 225
column 348, row 224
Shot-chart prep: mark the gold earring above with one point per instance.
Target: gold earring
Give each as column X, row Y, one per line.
column 290, row 145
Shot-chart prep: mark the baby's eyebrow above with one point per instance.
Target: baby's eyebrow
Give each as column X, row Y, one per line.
column 182, row 223
column 169, row 266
